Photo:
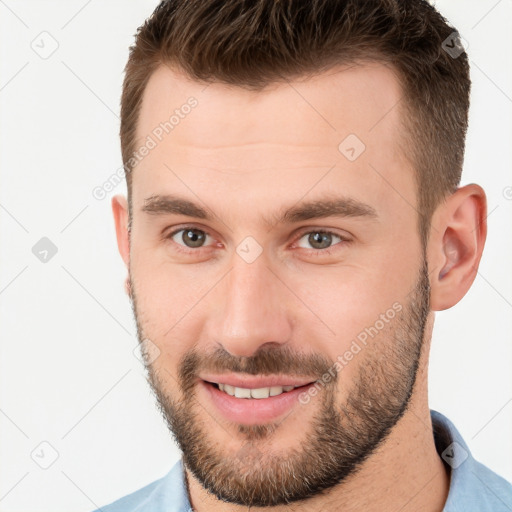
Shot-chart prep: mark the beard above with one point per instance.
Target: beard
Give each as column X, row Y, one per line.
column 340, row 436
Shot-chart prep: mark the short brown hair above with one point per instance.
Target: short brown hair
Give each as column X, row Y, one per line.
column 252, row 44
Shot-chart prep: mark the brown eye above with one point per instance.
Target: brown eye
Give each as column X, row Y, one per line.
column 189, row 237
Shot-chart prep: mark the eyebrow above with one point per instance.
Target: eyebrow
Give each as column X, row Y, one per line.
column 319, row 208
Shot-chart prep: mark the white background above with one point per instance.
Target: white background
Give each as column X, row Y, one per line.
column 68, row 375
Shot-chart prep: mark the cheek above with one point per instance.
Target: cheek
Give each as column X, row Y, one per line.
column 364, row 327
column 353, row 310
column 165, row 291
column 167, row 303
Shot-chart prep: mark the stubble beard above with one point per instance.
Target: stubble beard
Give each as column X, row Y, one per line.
column 335, row 444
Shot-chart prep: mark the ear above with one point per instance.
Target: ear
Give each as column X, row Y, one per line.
column 120, row 211
column 457, row 239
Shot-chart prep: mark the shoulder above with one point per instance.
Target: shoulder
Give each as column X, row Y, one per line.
column 494, row 492
column 473, row 486
column 165, row 494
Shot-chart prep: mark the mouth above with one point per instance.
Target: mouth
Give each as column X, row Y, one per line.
column 254, row 400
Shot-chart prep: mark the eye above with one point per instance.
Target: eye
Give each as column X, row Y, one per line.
column 189, row 237
column 320, row 240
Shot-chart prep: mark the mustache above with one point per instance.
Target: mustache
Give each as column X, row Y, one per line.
column 265, row 361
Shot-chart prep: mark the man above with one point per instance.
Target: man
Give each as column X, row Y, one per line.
column 294, row 220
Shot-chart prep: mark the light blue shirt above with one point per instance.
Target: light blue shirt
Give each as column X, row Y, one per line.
column 473, row 486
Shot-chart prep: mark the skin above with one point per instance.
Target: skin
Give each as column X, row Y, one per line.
column 237, row 154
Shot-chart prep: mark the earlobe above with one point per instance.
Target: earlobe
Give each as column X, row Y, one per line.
column 457, row 247
column 120, row 212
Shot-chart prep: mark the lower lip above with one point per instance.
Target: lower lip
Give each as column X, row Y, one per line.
column 252, row 411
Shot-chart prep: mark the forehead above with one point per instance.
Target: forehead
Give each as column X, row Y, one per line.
column 353, row 97
column 289, row 134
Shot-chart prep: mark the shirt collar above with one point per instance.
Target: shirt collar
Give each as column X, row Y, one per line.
column 472, row 485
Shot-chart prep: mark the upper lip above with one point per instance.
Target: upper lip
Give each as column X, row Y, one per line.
column 256, row 381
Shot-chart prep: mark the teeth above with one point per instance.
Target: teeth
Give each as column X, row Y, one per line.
column 260, row 393
column 242, row 393
column 254, row 393
column 275, row 390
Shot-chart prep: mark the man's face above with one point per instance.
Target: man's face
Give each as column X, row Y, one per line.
column 268, row 289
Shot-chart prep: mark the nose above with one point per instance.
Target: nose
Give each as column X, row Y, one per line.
column 250, row 309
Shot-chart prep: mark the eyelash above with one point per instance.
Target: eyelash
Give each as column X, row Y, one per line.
column 327, row 251
column 317, row 252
